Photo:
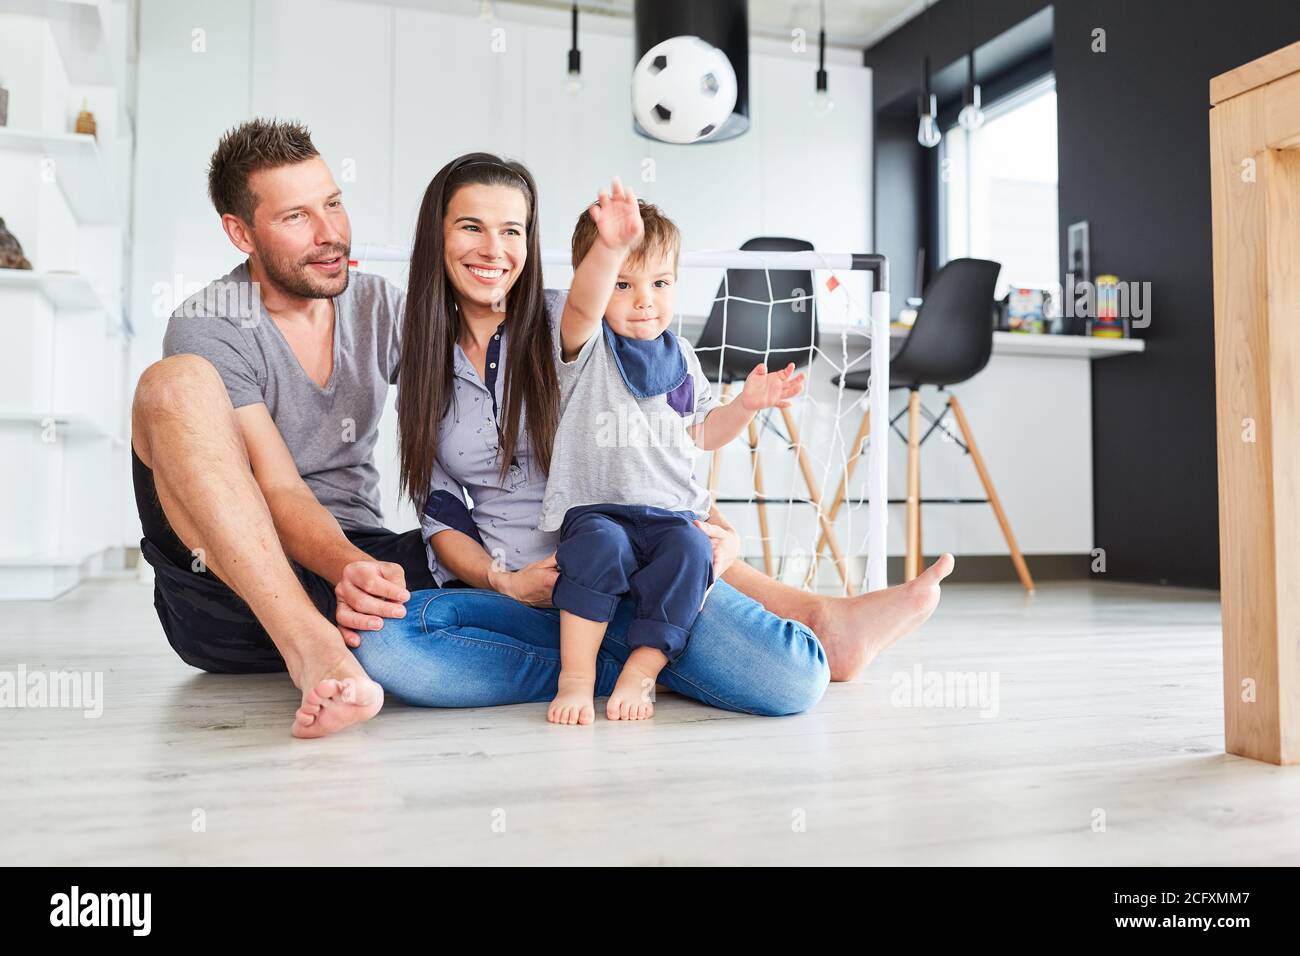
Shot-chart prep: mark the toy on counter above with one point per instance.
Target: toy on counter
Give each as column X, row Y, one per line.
column 1027, row 311
column 907, row 315
column 1108, row 323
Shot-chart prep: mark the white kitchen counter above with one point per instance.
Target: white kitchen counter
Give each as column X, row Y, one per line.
column 1048, row 346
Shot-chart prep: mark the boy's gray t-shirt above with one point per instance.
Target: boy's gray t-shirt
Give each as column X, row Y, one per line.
column 331, row 431
column 613, row 448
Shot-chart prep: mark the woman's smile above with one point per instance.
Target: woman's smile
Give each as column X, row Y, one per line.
column 488, row 275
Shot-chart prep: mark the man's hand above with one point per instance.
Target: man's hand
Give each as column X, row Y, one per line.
column 368, row 592
column 726, row 546
column 617, row 217
column 764, row 389
column 532, row 584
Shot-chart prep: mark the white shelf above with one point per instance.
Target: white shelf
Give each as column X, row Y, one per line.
column 80, row 31
column 44, row 576
column 71, row 426
column 66, row 291
column 79, row 169
column 49, row 560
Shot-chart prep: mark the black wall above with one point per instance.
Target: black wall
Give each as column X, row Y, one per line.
column 901, row 200
column 1133, row 135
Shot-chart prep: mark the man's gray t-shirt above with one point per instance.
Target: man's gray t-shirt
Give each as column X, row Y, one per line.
column 614, row 448
column 330, row 431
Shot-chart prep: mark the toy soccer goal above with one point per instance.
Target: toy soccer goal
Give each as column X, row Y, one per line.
column 824, row 312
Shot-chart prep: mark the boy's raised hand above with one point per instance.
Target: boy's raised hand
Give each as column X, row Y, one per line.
column 617, row 217
column 764, row 389
column 618, row 228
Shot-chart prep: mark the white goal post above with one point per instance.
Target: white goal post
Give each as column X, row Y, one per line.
column 875, row 327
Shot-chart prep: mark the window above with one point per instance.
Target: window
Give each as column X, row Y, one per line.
column 997, row 190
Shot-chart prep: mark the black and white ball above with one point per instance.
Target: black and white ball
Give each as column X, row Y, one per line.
column 683, row 90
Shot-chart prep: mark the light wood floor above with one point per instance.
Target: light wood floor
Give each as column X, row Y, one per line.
column 1108, row 700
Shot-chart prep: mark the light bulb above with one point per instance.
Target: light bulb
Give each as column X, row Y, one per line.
column 927, row 134
column 822, row 103
column 971, row 116
column 573, row 84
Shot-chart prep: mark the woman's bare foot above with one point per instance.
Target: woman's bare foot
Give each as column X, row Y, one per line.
column 853, row 630
column 336, row 693
column 633, row 694
column 575, row 702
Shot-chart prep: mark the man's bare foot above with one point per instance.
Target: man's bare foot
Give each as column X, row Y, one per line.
column 336, row 693
column 853, row 630
column 575, row 701
column 633, row 694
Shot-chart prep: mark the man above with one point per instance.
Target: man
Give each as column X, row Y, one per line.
column 253, row 440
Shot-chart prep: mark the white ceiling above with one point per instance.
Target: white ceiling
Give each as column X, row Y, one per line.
column 853, row 23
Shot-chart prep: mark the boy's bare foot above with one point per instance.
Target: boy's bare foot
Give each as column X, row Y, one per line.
column 633, row 694
column 853, row 630
column 336, row 693
column 575, row 702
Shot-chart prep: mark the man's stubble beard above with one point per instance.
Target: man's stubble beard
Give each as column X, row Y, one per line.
column 294, row 276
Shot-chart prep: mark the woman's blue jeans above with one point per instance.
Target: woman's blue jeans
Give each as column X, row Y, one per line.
column 471, row 648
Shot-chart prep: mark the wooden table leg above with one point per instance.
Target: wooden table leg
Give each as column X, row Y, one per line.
column 1255, row 200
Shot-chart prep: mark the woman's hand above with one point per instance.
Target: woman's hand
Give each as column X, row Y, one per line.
column 617, row 217
column 532, row 584
column 726, row 546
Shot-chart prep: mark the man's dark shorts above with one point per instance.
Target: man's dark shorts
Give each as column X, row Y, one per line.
column 208, row 624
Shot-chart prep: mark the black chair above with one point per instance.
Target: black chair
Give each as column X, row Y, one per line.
column 738, row 335
column 949, row 343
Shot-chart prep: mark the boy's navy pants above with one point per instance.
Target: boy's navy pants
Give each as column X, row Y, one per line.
column 658, row 557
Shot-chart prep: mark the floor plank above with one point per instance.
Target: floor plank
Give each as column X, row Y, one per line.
column 1108, row 700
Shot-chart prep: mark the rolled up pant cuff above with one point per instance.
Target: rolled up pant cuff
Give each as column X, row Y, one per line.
column 569, row 595
column 660, row 635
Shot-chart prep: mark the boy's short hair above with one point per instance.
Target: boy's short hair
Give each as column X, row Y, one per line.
column 247, row 148
column 661, row 236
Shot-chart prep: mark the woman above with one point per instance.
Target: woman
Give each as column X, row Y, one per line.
column 477, row 412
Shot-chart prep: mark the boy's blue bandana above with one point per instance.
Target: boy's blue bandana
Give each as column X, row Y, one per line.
column 653, row 367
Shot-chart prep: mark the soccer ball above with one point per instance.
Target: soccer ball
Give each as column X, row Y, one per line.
column 683, row 90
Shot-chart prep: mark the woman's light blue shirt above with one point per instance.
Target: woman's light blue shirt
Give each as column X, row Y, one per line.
column 503, row 516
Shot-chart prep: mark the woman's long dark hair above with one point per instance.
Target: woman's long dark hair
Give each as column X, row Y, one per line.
column 432, row 326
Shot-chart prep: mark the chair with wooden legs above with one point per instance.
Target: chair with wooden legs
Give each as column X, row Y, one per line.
column 769, row 317
column 950, row 342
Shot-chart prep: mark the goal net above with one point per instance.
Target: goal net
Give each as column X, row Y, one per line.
column 806, row 488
